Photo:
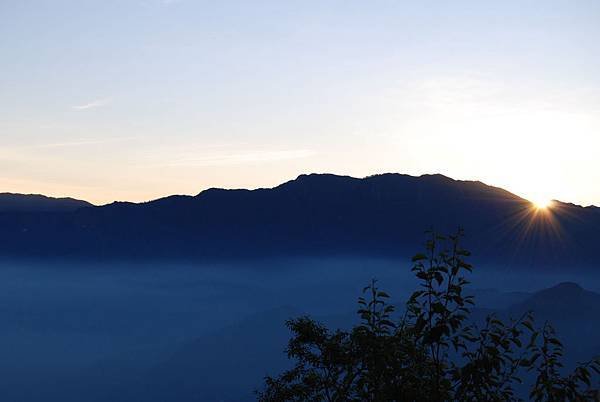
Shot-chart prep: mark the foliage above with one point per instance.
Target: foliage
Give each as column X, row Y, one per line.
column 434, row 352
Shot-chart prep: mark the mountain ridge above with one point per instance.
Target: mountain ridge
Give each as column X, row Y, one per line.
column 14, row 202
column 299, row 177
column 314, row 214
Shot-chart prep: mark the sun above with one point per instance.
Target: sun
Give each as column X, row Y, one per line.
column 542, row 203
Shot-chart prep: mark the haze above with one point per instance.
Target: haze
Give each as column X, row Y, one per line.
column 98, row 332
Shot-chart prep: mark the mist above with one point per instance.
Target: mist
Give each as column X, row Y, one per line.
column 72, row 330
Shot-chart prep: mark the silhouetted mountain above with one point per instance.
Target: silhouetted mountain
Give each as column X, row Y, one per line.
column 10, row 202
column 564, row 302
column 383, row 215
column 572, row 311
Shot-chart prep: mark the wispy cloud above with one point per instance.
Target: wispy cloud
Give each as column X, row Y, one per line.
column 159, row 2
column 91, row 105
column 240, row 158
column 84, row 142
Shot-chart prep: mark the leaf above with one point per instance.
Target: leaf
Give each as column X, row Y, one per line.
column 438, row 307
column 555, row 341
column 419, row 257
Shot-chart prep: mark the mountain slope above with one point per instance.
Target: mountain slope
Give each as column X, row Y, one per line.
column 572, row 311
column 10, row 202
column 562, row 303
column 382, row 215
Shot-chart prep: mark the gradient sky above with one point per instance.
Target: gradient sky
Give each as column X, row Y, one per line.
column 132, row 100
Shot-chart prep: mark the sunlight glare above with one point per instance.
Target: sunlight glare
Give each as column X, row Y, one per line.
column 542, row 203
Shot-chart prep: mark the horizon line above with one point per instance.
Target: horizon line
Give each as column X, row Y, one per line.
column 63, row 196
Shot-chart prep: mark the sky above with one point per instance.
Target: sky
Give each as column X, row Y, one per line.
column 133, row 100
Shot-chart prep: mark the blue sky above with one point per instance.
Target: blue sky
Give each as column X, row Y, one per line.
column 132, row 100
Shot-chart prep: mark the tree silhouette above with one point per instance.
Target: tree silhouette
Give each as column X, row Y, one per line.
column 434, row 352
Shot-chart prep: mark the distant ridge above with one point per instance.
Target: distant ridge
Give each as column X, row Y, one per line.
column 312, row 215
column 10, row 202
column 565, row 301
column 572, row 310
